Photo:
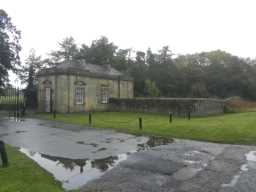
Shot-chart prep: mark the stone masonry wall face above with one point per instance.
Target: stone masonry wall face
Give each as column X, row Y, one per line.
column 179, row 107
column 63, row 87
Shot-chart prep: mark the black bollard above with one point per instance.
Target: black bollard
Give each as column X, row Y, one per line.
column 54, row 114
column 140, row 123
column 23, row 113
column 189, row 115
column 18, row 114
column 3, row 154
column 90, row 118
column 170, row 117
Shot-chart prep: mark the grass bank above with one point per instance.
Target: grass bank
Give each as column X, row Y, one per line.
column 24, row 175
column 237, row 128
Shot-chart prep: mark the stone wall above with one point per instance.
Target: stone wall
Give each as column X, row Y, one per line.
column 178, row 106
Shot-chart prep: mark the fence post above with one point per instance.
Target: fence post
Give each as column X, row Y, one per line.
column 170, row 117
column 90, row 118
column 140, row 123
column 3, row 154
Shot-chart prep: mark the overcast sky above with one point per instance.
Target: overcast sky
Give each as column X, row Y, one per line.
column 187, row 26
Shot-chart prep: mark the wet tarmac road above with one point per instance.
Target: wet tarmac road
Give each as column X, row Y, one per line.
column 180, row 166
column 67, row 141
column 74, row 155
column 183, row 166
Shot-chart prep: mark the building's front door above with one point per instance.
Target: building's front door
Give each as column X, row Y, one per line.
column 47, row 99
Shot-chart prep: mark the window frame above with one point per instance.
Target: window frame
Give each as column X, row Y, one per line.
column 79, row 95
column 104, row 94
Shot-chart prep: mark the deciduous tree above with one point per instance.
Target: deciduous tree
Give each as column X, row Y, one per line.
column 9, row 47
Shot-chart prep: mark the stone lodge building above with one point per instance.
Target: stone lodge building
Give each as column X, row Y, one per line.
column 78, row 87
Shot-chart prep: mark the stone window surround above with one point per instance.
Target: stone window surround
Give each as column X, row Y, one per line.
column 104, row 94
column 79, row 93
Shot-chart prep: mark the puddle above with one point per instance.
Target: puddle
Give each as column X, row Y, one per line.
column 232, row 182
column 244, row 167
column 251, row 163
column 192, row 153
column 74, row 173
column 154, row 142
column 251, row 156
column 102, row 149
column 186, row 173
column 83, row 143
column 4, row 134
column 15, row 119
column 20, row 132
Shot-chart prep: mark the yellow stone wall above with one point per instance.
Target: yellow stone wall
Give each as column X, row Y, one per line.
column 63, row 87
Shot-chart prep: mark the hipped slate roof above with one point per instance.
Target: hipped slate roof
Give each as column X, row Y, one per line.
column 84, row 69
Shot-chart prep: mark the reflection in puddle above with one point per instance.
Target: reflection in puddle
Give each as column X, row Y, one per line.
column 74, row 173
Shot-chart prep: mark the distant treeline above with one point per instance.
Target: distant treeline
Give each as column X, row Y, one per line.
column 162, row 74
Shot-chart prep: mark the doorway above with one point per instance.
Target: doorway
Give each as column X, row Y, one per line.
column 48, row 99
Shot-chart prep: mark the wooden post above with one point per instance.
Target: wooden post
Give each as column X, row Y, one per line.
column 140, row 123
column 3, row 154
column 90, row 118
column 170, row 117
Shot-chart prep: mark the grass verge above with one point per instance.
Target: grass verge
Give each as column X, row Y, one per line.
column 24, row 175
column 237, row 128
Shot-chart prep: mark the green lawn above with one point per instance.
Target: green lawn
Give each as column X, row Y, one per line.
column 24, row 175
column 237, row 128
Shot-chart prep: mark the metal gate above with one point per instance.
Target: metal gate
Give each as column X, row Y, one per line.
column 13, row 102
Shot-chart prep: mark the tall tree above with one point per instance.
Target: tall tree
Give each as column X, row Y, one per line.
column 206, row 74
column 68, row 51
column 9, row 47
column 164, row 72
column 138, row 70
column 27, row 75
column 100, row 52
column 121, row 60
column 33, row 64
column 150, row 57
column 151, row 89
